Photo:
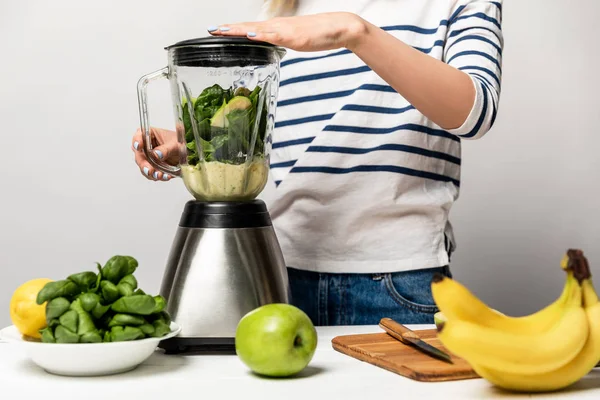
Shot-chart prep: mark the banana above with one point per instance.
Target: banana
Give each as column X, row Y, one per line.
column 587, row 358
column 455, row 301
column 566, row 375
column 518, row 353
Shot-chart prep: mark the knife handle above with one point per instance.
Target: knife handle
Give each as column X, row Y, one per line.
column 397, row 330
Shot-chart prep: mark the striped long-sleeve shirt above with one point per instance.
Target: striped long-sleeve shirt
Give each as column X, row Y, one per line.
column 365, row 182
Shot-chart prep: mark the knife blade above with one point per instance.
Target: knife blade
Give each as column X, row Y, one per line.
column 409, row 337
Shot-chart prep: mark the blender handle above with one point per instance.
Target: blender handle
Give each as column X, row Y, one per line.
column 143, row 106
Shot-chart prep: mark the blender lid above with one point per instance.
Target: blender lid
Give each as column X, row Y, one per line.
column 224, row 51
column 219, row 40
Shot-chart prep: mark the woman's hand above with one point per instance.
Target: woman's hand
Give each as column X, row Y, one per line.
column 164, row 143
column 441, row 92
column 316, row 32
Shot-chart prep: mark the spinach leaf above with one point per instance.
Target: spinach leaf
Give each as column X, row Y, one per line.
column 219, row 141
column 110, row 292
column 89, row 301
column 63, row 335
column 193, row 159
column 125, row 289
column 70, row 320
column 117, row 267
column 160, row 304
column 51, row 290
column 239, row 131
column 204, row 129
column 253, row 96
column 148, row 329
column 126, row 319
column 99, row 310
column 56, row 307
column 207, row 147
column 130, row 280
column 210, row 96
column 229, row 94
column 91, row 337
column 202, row 113
column 231, row 142
column 122, row 334
column 47, row 335
column 85, row 280
column 160, row 328
column 187, row 122
column 135, row 304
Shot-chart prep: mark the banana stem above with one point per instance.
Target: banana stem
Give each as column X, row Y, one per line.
column 577, row 263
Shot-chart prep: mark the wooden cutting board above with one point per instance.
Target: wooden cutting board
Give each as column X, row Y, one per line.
column 384, row 351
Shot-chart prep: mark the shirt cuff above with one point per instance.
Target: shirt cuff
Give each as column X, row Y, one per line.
column 474, row 114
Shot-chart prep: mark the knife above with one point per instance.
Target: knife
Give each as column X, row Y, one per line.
column 406, row 336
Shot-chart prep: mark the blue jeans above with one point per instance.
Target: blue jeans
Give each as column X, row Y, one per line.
column 363, row 299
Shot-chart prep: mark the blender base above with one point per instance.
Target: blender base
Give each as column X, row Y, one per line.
column 198, row 346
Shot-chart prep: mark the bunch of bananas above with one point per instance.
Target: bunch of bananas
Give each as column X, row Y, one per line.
column 545, row 351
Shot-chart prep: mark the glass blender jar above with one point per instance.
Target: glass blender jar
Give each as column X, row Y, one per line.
column 224, row 92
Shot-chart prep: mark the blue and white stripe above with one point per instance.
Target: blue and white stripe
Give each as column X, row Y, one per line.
column 344, row 138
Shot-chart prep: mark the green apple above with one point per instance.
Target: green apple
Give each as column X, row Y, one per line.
column 276, row 340
column 439, row 319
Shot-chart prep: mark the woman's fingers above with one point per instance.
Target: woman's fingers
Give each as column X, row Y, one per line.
column 163, row 152
column 140, row 158
column 167, row 147
column 315, row 32
column 269, row 37
column 136, row 142
column 161, row 176
column 146, row 168
column 252, row 31
column 150, row 172
column 270, row 32
column 233, row 30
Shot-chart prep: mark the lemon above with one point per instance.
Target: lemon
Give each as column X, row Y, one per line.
column 27, row 316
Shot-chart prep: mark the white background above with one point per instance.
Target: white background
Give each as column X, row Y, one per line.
column 71, row 195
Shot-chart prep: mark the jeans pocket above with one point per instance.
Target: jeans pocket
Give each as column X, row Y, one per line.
column 412, row 290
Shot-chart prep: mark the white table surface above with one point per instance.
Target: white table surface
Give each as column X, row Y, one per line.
column 330, row 375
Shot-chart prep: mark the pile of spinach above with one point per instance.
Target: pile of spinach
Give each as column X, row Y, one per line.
column 107, row 306
column 224, row 127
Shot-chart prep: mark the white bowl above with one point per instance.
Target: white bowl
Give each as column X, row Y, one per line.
column 87, row 359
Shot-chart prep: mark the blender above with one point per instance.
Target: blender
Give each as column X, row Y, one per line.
column 225, row 259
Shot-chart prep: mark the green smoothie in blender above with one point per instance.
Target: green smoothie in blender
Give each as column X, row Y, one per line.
column 225, row 143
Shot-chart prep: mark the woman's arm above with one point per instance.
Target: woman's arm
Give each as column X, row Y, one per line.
column 459, row 93
column 439, row 91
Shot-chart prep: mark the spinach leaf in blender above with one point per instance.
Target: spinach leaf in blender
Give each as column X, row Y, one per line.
column 226, row 120
column 218, row 142
column 239, row 132
column 211, row 96
column 187, row 122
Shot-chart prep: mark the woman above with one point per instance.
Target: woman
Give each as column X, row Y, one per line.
column 375, row 98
